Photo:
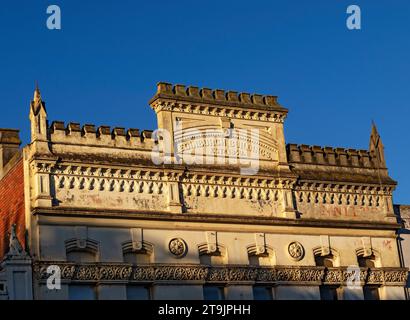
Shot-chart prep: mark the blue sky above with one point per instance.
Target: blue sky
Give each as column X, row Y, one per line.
column 103, row 66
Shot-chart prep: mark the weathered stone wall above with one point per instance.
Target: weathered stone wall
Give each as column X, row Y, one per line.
column 99, row 190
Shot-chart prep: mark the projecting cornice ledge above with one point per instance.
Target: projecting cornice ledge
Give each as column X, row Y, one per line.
column 213, row 218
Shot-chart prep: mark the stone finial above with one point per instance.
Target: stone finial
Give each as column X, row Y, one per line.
column 376, row 147
column 37, row 95
column 37, row 104
column 38, row 117
column 15, row 248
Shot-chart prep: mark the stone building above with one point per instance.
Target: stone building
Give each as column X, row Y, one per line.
column 403, row 212
column 212, row 205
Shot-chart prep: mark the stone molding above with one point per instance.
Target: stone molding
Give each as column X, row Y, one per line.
column 217, row 102
column 219, row 111
column 87, row 177
column 100, row 272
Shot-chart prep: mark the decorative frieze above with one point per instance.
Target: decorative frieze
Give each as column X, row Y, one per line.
column 180, row 272
column 341, row 194
column 214, row 186
column 225, row 111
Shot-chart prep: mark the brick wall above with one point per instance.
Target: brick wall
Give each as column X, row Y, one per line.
column 12, row 205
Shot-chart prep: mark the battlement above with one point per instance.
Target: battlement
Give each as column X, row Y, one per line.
column 103, row 135
column 317, row 155
column 217, row 96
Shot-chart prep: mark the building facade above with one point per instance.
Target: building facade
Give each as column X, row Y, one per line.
column 212, row 205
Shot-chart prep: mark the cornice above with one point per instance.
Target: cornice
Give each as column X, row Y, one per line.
column 217, row 97
column 214, row 218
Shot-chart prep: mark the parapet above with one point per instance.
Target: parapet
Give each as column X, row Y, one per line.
column 217, row 96
column 89, row 134
column 317, row 155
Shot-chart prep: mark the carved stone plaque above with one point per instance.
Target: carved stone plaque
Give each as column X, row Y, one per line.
column 296, row 251
column 178, row 247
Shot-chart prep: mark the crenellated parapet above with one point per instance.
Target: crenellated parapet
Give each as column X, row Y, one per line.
column 339, row 183
column 91, row 135
column 305, row 154
column 217, row 102
column 217, row 96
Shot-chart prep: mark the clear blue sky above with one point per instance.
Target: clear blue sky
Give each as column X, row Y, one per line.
column 102, row 67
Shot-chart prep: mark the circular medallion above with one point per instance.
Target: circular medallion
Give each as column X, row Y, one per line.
column 177, row 247
column 296, row 251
